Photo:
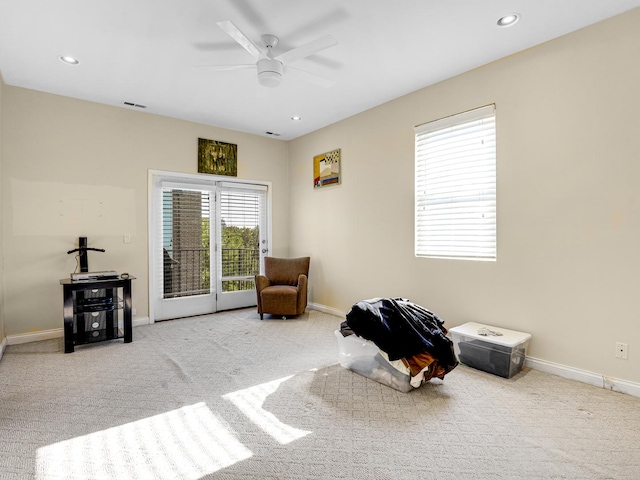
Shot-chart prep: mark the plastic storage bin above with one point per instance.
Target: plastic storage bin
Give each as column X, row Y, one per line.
column 491, row 349
column 363, row 357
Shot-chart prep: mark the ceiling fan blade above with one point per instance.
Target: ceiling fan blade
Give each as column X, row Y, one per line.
column 308, row 77
column 307, row 49
column 235, row 33
column 222, row 68
column 251, row 14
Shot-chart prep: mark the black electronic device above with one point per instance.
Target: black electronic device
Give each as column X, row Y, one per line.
column 90, row 276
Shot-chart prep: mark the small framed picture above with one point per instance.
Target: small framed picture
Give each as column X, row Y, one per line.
column 326, row 169
column 218, row 158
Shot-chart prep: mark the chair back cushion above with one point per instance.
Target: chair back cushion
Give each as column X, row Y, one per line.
column 285, row 271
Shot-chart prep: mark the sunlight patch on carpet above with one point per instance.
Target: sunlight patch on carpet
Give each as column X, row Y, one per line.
column 250, row 401
column 187, row 443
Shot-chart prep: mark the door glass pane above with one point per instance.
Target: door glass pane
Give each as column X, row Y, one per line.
column 185, row 242
column 240, row 239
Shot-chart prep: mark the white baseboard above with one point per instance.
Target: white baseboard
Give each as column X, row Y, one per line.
column 34, row 336
column 325, row 309
column 595, row 379
column 622, row 386
column 55, row 333
column 3, row 345
column 139, row 321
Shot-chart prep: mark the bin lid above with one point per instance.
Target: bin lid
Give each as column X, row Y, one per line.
column 509, row 338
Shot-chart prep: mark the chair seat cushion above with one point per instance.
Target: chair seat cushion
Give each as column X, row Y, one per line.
column 280, row 299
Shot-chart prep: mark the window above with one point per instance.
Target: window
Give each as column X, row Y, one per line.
column 455, row 198
column 241, row 216
column 185, row 242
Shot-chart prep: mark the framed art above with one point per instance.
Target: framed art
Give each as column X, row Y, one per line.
column 218, row 158
column 326, row 169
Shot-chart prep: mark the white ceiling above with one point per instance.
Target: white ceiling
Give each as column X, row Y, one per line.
column 144, row 51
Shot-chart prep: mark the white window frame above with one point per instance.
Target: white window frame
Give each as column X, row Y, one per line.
column 455, row 186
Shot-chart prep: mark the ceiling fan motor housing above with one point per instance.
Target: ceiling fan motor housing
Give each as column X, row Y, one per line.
column 269, row 72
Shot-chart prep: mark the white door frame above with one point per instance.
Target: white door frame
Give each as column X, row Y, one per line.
column 156, row 178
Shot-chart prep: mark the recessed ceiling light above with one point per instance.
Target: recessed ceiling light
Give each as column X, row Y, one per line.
column 296, row 118
column 508, row 20
column 68, row 60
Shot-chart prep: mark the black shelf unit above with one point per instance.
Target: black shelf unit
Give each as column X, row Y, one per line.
column 96, row 311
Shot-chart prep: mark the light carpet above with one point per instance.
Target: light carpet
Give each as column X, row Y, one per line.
column 228, row 396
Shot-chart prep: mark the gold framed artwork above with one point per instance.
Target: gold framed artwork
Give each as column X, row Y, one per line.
column 326, row 169
column 218, row 158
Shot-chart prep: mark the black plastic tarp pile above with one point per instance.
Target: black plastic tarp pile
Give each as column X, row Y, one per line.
column 403, row 330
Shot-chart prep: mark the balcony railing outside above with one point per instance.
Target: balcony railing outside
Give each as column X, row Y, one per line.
column 187, row 271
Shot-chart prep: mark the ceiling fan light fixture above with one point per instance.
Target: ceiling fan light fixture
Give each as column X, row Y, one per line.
column 269, row 72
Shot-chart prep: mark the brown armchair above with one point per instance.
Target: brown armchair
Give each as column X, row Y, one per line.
column 282, row 290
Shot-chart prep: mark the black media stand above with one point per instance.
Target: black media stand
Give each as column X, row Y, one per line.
column 92, row 311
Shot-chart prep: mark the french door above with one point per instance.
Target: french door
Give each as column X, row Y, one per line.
column 241, row 243
column 208, row 239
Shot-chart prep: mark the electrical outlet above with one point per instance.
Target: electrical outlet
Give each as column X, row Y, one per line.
column 134, row 312
column 622, row 350
column 126, row 238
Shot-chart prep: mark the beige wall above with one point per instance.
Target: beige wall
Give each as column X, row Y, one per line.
column 568, row 202
column 2, row 333
column 73, row 168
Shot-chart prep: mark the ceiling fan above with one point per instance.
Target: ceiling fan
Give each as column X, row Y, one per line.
column 271, row 69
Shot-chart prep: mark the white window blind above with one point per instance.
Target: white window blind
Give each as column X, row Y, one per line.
column 455, row 183
column 186, row 243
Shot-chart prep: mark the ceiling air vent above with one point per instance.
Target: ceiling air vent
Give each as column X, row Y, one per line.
column 130, row 104
column 272, row 134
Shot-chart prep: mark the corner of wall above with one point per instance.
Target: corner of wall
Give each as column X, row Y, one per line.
column 2, row 335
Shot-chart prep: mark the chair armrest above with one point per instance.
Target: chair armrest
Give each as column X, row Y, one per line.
column 262, row 282
column 302, row 293
column 302, row 282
